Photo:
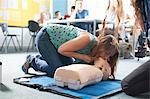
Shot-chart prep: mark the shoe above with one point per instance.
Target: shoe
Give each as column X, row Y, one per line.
column 38, row 56
column 26, row 65
column 29, row 58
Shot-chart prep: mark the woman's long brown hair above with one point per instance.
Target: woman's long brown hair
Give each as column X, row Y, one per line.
column 118, row 10
column 107, row 43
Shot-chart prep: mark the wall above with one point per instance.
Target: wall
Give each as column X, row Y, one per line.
column 60, row 5
column 18, row 12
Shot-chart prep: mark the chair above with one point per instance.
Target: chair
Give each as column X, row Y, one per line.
column 33, row 29
column 4, row 28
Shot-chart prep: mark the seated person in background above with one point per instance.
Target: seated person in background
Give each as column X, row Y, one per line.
column 80, row 13
column 58, row 15
column 72, row 10
column 44, row 18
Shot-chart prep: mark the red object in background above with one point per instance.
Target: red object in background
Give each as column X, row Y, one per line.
column 66, row 16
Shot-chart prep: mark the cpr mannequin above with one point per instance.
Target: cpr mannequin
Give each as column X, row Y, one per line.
column 76, row 76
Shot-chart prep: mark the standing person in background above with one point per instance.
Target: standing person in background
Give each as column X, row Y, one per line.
column 138, row 81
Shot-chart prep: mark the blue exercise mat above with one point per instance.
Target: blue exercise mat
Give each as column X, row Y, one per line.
column 44, row 83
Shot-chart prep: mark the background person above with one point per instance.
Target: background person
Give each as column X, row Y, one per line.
column 44, row 18
column 80, row 13
column 138, row 81
column 58, row 15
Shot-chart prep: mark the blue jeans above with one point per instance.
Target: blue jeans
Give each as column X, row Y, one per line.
column 49, row 59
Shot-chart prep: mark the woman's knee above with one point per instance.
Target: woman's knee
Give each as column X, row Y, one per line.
column 39, row 36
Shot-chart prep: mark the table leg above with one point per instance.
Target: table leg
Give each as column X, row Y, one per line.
column 94, row 27
column 6, row 44
column 22, row 39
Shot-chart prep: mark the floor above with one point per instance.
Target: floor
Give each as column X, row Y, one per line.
column 11, row 68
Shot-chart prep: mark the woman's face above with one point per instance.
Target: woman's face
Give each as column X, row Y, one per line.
column 105, row 54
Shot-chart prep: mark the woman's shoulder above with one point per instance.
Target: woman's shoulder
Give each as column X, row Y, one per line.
column 85, row 34
column 93, row 37
column 89, row 37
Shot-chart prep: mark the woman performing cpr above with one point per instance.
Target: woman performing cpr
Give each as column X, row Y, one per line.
column 61, row 45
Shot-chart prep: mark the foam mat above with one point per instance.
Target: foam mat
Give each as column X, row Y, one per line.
column 45, row 83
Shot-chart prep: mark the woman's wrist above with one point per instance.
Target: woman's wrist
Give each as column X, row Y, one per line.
column 88, row 59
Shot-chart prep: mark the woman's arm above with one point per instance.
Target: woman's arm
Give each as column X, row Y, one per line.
column 69, row 48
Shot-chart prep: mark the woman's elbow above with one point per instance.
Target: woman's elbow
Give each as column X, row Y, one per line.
column 62, row 51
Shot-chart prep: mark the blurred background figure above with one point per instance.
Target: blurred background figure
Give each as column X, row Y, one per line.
column 68, row 15
column 44, row 18
column 58, row 15
column 79, row 12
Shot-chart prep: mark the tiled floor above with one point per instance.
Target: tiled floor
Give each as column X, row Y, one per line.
column 11, row 68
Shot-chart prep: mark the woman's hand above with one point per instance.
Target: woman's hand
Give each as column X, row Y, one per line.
column 88, row 59
column 104, row 66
